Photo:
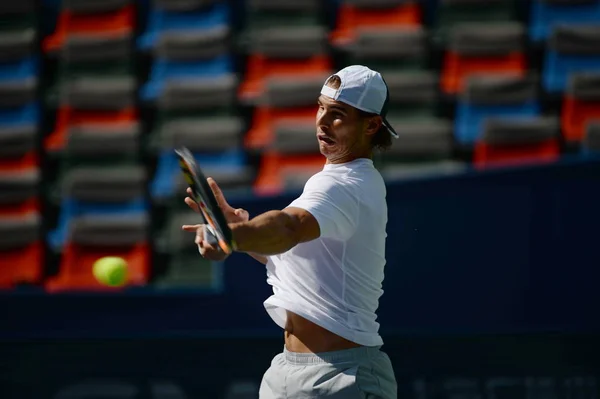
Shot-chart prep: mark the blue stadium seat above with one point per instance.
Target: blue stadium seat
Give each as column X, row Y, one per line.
column 165, row 180
column 164, row 70
column 546, row 14
column 23, row 115
column 19, row 70
column 161, row 20
column 72, row 208
column 493, row 96
column 570, row 49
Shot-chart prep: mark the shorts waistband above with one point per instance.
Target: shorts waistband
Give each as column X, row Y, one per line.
column 343, row 356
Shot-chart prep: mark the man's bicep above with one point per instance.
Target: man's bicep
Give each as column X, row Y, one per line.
column 306, row 225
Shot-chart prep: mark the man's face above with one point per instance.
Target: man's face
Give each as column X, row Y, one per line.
column 342, row 133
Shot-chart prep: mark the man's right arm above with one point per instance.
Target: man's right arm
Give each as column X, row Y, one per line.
column 260, row 258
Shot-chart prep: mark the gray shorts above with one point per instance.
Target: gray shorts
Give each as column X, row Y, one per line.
column 361, row 373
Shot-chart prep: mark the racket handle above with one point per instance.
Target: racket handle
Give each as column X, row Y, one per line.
column 210, row 236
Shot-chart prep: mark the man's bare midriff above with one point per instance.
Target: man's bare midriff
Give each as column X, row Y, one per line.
column 304, row 336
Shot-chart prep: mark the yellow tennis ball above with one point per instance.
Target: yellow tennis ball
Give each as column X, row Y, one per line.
column 111, row 271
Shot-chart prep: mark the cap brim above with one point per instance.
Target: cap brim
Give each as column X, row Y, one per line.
column 389, row 127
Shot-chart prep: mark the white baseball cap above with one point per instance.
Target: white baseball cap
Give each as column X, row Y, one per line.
column 364, row 89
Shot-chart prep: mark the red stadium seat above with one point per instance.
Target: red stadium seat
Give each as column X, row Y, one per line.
column 112, row 22
column 21, row 250
column 581, row 105
column 352, row 18
column 261, row 134
column 281, row 52
column 77, row 262
column 482, row 50
column 261, row 67
column 27, row 161
column 69, row 117
column 275, row 167
column 511, row 142
column 21, row 265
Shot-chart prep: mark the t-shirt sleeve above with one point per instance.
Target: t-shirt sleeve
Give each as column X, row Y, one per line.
column 333, row 203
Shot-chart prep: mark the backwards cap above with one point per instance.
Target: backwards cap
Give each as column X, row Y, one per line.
column 364, row 89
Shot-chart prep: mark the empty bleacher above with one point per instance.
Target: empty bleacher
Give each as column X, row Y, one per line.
column 95, row 95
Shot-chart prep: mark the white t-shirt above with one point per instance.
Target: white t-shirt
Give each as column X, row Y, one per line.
column 335, row 281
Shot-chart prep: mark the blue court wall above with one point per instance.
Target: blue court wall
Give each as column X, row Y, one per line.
column 507, row 251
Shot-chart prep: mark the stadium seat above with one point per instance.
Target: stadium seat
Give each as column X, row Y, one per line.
column 99, row 191
column 193, row 44
column 115, row 22
column 186, row 269
column 20, row 69
column 203, row 18
column 18, row 152
column 15, row 8
column 164, row 71
column 493, row 96
column 284, row 101
column 581, row 105
column 413, row 94
column 280, row 172
column 93, row 237
column 424, row 147
column 95, row 55
column 482, row 49
column 570, row 49
column 98, row 93
column 356, row 15
column 282, row 13
column 226, row 163
column 389, row 49
column 17, row 45
column 294, row 52
column 518, row 142
column 15, row 16
column 19, row 193
column 452, row 13
column 591, row 140
column 21, row 250
column 547, row 14
column 424, row 140
column 68, row 118
column 266, row 121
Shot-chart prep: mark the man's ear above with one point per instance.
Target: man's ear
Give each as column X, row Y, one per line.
column 373, row 125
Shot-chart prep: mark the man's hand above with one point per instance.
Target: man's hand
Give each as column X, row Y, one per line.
column 231, row 215
column 206, row 250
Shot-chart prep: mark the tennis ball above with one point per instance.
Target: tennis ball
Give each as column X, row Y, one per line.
column 111, row 271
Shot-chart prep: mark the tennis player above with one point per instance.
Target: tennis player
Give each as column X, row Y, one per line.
column 325, row 253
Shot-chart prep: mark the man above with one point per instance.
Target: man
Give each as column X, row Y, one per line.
column 325, row 253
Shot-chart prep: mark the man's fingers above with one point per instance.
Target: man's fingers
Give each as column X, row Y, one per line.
column 242, row 213
column 218, row 194
column 192, row 228
column 192, row 204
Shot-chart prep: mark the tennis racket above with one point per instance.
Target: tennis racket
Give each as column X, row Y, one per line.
column 216, row 231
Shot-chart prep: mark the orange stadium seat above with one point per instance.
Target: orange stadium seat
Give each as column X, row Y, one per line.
column 77, row 263
column 69, row 117
column 277, row 52
column 69, row 23
column 276, row 167
column 92, row 237
column 481, row 49
column 581, row 105
column 262, row 132
column 353, row 17
column 512, row 142
column 21, row 250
